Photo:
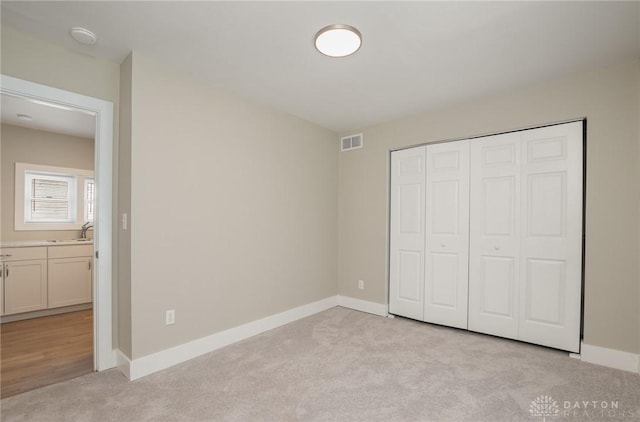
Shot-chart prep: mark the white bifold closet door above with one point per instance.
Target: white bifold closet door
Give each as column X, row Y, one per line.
column 447, row 234
column 407, row 237
column 525, row 259
column 486, row 234
column 429, row 242
column 494, row 265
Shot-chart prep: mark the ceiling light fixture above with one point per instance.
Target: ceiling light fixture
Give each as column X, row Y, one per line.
column 83, row 35
column 338, row 40
column 24, row 117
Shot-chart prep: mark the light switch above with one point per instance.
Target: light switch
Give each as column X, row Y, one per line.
column 124, row 221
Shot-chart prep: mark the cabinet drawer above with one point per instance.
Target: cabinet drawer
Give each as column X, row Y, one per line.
column 70, row 251
column 23, row 254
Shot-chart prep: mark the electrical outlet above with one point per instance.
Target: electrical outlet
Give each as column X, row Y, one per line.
column 170, row 317
column 361, row 284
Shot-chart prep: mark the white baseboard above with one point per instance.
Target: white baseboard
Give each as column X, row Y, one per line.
column 147, row 365
column 46, row 312
column 123, row 363
column 610, row 357
column 363, row 305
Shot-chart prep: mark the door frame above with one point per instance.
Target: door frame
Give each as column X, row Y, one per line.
column 104, row 354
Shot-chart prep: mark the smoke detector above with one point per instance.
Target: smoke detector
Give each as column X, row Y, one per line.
column 83, row 35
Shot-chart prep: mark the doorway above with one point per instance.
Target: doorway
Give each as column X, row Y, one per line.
column 100, row 261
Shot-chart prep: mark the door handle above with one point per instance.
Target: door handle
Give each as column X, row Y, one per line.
column 496, row 247
column 7, row 255
column 443, row 245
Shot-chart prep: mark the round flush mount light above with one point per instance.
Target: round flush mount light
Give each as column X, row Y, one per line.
column 83, row 35
column 24, row 117
column 338, row 40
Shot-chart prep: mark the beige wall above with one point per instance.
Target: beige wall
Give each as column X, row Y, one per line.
column 233, row 209
column 609, row 100
column 35, row 60
column 21, row 145
column 124, row 206
column 263, row 237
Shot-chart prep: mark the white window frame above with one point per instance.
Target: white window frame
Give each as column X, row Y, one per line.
column 21, row 197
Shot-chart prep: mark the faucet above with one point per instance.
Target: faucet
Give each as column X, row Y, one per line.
column 86, row 226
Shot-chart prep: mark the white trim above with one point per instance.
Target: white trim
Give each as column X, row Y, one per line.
column 610, row 357
column 155, row 362
column 104, row 356
column 123, row 363
column 363, row 305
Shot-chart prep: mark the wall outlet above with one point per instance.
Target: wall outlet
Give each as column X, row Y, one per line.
column 170, row 317
column 361, row 284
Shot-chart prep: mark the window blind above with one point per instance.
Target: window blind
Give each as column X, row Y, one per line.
column 49, row 198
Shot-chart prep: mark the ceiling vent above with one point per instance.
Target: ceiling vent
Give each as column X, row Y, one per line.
column 351, row 142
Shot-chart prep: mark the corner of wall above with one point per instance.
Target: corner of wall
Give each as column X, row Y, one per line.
column 123, row 363
column 124, row 340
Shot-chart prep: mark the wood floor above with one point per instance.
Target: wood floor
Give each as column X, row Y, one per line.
column 43, row 351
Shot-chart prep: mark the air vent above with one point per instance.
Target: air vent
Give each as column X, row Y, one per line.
column 351, row 142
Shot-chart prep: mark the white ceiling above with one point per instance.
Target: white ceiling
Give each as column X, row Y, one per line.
column 415, row 56
column 47, row 117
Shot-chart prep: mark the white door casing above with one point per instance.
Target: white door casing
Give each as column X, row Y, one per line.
column 494, row 235
column 104, row 353
column 407, row 227
column 447, row 234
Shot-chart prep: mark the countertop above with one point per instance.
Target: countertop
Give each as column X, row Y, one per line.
column 28, row 243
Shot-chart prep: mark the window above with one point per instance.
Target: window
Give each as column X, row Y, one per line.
column 53, row 198
column 48, row 198
column 89, row 199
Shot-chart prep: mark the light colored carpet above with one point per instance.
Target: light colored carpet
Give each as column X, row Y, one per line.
column 344, row 365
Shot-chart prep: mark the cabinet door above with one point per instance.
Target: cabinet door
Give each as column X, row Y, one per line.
column 69, row 281
column 447, row 234
column 494, row 235
column 407, row 229
column 1, row 288
column 25, row 286
column 551, row 264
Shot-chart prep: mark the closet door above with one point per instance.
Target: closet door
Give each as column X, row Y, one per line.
column 551, row 264
column 447, row 234
column 494, row 254
column 407, row 230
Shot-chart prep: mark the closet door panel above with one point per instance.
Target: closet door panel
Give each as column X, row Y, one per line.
column 407, row 232
column 551, row 262
column 494, row 235
column 447, row 234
